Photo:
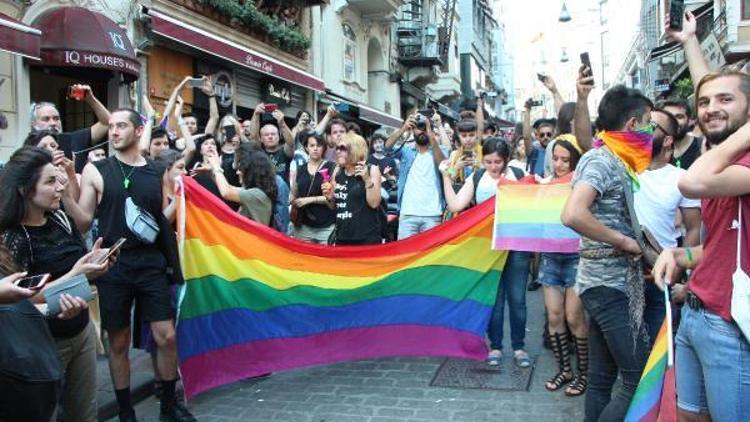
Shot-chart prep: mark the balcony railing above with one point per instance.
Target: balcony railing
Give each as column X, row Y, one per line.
column 418, row 41
column 276, row 22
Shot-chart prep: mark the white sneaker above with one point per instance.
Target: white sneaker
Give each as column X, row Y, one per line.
column 494, row 357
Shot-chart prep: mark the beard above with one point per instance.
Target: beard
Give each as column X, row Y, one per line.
column 682, row 132
column 717, row 137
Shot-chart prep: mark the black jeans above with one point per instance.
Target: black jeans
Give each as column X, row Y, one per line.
column 611, row 350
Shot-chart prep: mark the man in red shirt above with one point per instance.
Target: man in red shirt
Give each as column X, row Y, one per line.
column 712, row 355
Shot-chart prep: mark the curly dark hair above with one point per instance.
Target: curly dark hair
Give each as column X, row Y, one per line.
column 18, row 183
column 257, row 171
column 35, row 136
column 575, row 155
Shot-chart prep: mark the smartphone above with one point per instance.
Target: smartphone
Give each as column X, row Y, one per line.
column 34, row 282
column 195, row 82
column 676, row 13
column 270, row 108
column 587, row 63
column 114, row 248
column 541, row 77
column 468, row 154
column 229, row 132
column 77, row 94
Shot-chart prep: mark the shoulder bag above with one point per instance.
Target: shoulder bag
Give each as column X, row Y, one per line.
column 741, row 285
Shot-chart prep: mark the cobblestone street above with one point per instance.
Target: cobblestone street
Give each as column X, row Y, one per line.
column 384, row 390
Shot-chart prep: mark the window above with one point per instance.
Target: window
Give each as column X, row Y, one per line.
column 745, row 10
column 603, row 12
column 350, row 53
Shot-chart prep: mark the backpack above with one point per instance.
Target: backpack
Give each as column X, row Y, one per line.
column 477, row 176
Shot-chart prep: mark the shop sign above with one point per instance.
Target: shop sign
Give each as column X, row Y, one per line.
column 661, row 85
column 258, row 63
column 277, row 92
column 223, row 88
column 88, row 59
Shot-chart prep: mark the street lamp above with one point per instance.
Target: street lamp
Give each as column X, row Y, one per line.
column 564, row 14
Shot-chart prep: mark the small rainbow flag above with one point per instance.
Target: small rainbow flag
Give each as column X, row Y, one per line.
column 654, row 399
column 256, row 301
column 527, row 217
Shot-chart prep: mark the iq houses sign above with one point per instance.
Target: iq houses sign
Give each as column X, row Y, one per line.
column 88, row 59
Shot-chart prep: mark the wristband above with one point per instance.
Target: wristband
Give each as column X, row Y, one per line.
column 689, row 255
column 219, row 170
column 371, row 185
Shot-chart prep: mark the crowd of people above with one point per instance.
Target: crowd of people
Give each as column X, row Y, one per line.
column 644, row 176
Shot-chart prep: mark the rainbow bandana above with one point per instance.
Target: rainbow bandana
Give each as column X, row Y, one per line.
column 633, row 148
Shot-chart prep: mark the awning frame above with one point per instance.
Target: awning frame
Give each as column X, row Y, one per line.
column 167, row 26
column 34, row 35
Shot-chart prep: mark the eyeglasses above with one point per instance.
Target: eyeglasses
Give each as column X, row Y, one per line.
column 655, row 125
column 545, row 135
column 342, row 148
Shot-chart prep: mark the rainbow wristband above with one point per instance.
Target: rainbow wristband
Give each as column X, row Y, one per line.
column 689, row 255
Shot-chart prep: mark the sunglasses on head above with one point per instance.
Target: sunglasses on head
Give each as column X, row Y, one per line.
column 342, row 148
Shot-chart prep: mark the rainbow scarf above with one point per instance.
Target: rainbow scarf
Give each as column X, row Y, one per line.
column 632, row 148
column 655, row 397
column 256, row 301
column 527, row 217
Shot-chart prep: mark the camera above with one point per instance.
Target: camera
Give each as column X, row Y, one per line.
column 421, row 122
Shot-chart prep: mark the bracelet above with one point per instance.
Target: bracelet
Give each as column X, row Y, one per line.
column 689, row 255
column 219, row 170
column 371, row 185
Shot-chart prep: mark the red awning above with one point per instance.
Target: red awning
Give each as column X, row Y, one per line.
column 18, row 38
column 78, row 37
column 189, row 35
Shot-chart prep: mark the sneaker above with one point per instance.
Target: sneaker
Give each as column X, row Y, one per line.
column 494, row 357
column 534, row 286
column 521, row 358
column 176, row 413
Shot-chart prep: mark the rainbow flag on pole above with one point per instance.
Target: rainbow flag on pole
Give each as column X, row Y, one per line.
column 527, row 217
column 256, row 301
column 655, row 397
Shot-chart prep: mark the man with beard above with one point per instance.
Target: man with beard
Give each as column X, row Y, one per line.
column 45, row 116
column 144, row 266
column 420, row 189
column 687, row 148
column 711, row 351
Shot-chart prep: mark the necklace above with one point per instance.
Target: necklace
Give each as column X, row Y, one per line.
column 125, row 178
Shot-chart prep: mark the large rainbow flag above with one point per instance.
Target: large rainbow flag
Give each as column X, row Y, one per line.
column 527, row 217
column 654, row 398
column 256, row 301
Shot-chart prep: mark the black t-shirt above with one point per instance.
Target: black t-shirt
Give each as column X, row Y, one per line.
column 227, row 164
column 280, row 162
column 688, row 157
column 356, row 222
column 75, row 141
column 51, row 248
column 315, row 215
column 382, row 163
column 27, row 351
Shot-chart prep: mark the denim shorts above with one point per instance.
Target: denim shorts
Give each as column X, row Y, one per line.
column 712, row 360
column 558, row 269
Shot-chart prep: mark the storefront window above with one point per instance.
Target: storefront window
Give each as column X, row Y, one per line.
column 350, row 53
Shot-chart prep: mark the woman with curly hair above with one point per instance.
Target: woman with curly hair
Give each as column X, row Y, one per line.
column 258, row 178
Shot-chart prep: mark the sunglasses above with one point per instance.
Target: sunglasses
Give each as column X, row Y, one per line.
column 342, row 148
column 545, row 135
column 655, row 126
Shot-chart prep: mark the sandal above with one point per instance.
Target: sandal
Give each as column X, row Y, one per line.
column 559, row 342
column 578, row 386
column 581, row 380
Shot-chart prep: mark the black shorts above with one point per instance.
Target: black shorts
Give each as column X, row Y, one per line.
column 138, row 275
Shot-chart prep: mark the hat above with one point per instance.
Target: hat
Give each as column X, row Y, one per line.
column 549, row 122
column 570, row 139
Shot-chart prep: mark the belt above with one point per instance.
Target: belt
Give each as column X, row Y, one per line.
column 693, row 301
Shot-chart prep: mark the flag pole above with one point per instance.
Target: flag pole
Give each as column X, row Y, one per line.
column 670, row 340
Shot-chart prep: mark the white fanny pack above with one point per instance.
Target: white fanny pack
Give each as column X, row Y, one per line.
column 741, row 285
column 140, row 222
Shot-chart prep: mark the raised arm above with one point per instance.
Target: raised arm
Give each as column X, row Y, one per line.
column 689, row 39
column 437, row 152
column 173, row 98
column 145, row 139
column 479, row 116
column 99, row 129
column 409, row 124
column 82, row 211
column 582, row 119
column 285, row 132
column 714, row 173
column 527, row 142
column 213, row 107
column 549, row 83
column 228, row 192
column 372, row 178
column 255, row 123
column 323, row 123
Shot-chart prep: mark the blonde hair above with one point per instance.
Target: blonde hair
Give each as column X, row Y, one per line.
column 357, row 147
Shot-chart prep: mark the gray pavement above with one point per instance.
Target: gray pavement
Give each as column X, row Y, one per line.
column 384, row 390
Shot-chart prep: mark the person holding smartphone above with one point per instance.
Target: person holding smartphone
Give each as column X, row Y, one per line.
column 43, row 239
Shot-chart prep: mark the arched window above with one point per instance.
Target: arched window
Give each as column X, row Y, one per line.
column 350, row 53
